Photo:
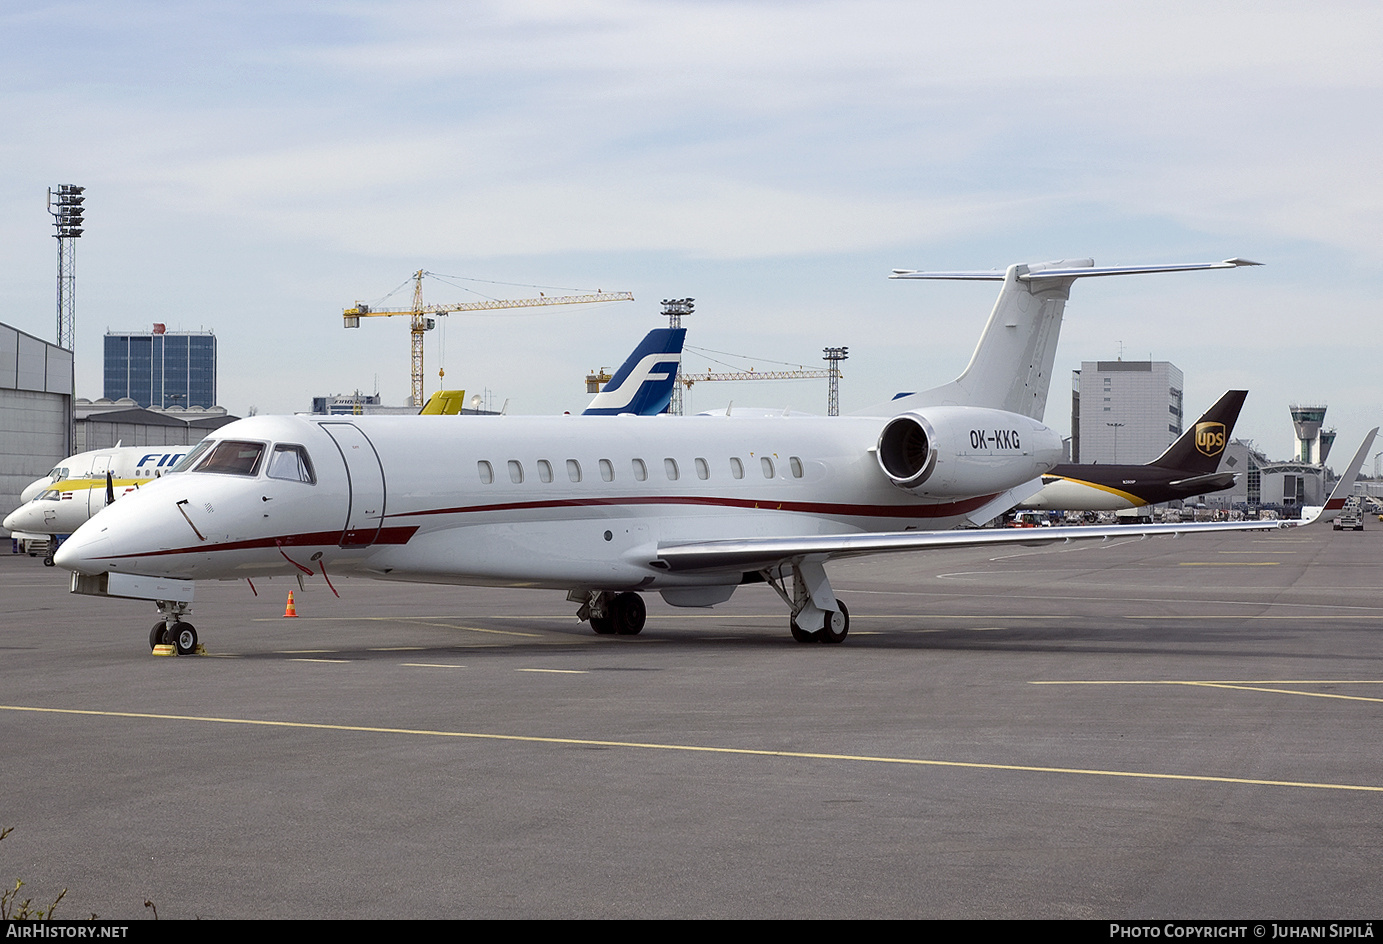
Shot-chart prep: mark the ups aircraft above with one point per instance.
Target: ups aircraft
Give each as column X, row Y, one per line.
column 1188, row 467
column 608, row 507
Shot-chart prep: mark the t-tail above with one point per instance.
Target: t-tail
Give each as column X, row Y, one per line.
column 1011, row 368
column 1200, row 448
column 643, row 384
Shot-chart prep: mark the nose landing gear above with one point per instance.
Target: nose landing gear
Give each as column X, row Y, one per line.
column 170, row 630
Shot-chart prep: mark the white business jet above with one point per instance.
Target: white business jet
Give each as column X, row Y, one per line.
column 81, row 485
column 605, row 507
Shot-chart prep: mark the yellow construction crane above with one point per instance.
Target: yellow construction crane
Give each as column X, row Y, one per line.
column 422, row 324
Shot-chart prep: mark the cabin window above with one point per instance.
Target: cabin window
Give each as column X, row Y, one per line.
column 233, row 457
column 767, row 465
column 795, row 464
column 544, row 470
column 291, row 464
column 670, row 467
column 736, row 467
column 640, row 470
column 516, row 471
column 607, row 470
column 573, row 470
column 487, row 472
column 703, row 471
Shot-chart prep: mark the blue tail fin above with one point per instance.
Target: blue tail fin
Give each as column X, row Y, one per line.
column 643, row 383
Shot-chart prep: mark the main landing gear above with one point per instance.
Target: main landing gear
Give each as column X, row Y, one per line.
column 817, row 616
column 611, row 613
column 170, row 630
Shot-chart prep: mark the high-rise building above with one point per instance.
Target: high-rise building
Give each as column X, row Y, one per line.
column 1125, row 412
column 161, row 368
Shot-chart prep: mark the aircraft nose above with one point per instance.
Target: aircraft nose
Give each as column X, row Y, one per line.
column 19, row 519
column 82, row 553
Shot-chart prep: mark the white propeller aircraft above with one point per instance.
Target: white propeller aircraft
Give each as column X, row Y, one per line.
column 605, row 507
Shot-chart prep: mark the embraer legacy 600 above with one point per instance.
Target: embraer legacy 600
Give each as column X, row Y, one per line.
column 604, row 507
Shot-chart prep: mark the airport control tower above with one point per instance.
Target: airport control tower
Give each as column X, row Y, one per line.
column 1307, row 420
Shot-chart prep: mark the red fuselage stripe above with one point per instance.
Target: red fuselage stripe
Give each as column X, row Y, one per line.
column 401, row 534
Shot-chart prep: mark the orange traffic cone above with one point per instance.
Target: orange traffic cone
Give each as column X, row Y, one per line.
column 290, row 610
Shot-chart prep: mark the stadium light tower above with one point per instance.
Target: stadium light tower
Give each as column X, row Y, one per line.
column 833, row 357
column 65, row 206
column 674, row 309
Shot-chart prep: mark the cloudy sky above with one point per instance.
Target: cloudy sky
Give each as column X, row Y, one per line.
column 253, row 168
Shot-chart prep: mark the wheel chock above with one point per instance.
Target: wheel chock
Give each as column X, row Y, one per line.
column 165, row 649
column 200, row 650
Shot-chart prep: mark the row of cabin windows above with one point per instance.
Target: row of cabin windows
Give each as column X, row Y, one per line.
column 637, row 466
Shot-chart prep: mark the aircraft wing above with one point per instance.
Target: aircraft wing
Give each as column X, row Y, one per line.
column 762, row 553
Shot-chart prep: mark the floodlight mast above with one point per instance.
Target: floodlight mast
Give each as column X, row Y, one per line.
column 833, row 356
column 65, row 206
column 674, row 309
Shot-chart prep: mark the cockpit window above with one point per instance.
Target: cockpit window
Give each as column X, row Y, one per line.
column 187, row 461
column 292, row 464
column 51, row 495
column 233, row 457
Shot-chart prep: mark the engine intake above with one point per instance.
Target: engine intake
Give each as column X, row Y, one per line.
column 907, row 450
column 964, row 452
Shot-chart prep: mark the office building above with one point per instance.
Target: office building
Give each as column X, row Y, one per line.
column 1125, row 412
column 161, row 369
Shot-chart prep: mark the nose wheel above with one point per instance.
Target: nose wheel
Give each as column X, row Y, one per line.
column 171, row 630
column 182, row 636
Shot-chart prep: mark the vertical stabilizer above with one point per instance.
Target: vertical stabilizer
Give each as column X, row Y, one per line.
column 1011, row 368
column 1200, row 448
column 643, row 384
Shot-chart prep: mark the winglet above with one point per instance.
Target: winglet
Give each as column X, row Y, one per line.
column 1336, row 502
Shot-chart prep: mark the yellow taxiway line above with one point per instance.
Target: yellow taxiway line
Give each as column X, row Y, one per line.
column 702, row 749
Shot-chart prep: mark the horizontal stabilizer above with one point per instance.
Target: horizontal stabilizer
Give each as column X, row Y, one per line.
column 1067, row 269
column 1214, row 482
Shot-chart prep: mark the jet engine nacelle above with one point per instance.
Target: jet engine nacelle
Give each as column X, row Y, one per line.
column 960, row 452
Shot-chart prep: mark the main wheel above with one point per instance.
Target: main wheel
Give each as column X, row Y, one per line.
column 156, row 634
column 801, row 635
column 184, row 637
column 628, row 612
column 603, row 625
column 837, row 625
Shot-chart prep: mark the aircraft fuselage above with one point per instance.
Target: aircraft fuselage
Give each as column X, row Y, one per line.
column 564, row 502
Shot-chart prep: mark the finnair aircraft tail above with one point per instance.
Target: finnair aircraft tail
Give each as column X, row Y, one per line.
column 1011, row 368
column 643, row 383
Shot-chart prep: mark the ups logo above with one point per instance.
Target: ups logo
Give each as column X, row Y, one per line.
column 1210, row 438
